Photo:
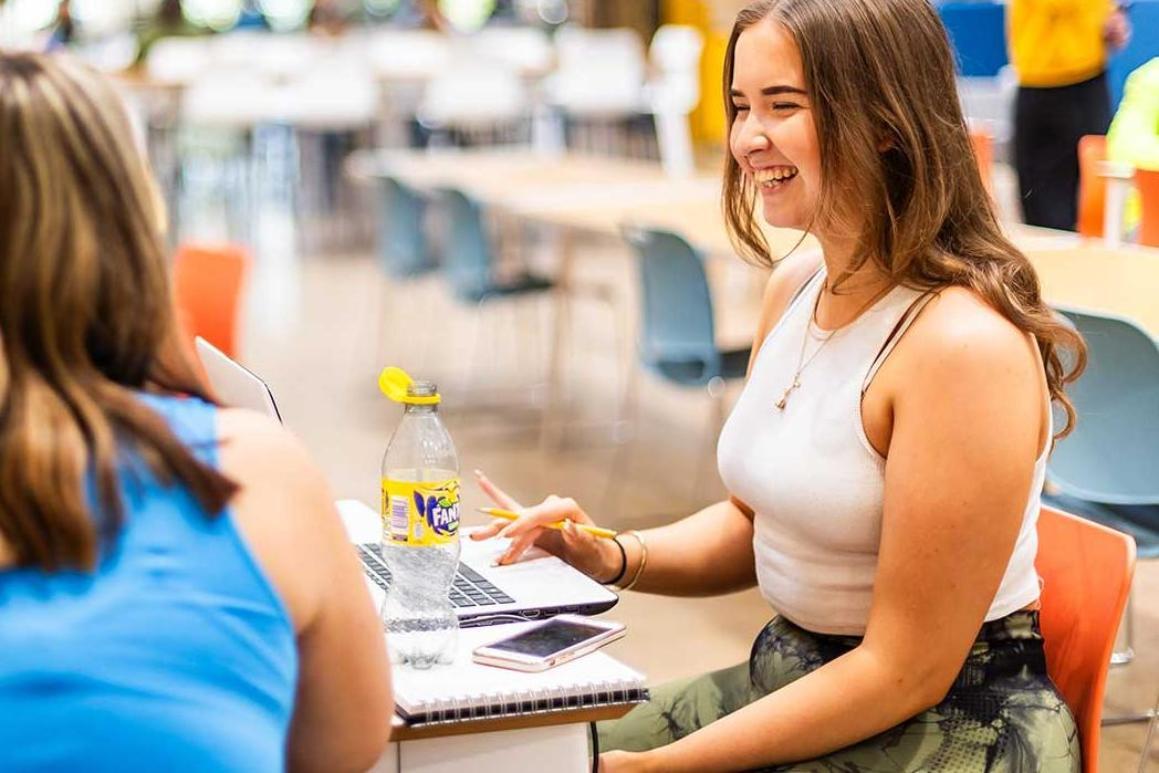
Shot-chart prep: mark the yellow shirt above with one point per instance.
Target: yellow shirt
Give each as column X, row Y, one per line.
column 1134, row 134
column 1057, row 42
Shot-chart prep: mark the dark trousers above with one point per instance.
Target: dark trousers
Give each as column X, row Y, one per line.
column 1048, row 123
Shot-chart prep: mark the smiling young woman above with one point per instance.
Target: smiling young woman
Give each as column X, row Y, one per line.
column 886, row 457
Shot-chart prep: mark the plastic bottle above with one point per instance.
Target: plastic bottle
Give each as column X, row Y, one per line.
column 420, row 530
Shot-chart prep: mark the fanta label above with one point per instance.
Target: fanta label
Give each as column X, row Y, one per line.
column 420, row 514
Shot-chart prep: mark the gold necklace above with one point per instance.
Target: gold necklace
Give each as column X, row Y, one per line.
column 802, row 363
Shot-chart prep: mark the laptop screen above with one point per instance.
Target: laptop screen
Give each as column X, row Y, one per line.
column 235, row 385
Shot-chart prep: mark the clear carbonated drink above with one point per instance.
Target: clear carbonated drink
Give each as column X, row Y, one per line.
column 420, row 532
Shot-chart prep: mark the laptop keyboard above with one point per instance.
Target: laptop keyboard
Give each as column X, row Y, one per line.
column 470, row 588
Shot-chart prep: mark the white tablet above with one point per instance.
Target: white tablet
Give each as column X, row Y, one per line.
column 235, row 386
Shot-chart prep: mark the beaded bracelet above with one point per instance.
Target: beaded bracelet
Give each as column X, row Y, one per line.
column 623, row 564
column 643, row 559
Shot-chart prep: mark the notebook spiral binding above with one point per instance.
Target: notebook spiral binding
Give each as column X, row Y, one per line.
column 531, row 701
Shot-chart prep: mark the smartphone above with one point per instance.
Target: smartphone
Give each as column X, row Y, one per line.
column 558, row 640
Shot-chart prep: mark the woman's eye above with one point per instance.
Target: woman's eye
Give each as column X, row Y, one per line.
column 785, row 106
column 740, row 108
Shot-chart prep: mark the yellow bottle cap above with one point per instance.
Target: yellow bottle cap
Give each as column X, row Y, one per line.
column 396, row 384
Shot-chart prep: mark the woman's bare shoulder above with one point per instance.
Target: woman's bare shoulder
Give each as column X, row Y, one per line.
column 784, row 281
column 958, row 316
column 284, row 507
column 960, row 336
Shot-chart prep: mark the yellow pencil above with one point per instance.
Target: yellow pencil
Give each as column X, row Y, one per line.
column 595, row 531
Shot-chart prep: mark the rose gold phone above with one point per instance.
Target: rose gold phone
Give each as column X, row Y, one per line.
column 558, row 640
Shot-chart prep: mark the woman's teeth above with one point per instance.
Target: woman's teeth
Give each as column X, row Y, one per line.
column 774, row 176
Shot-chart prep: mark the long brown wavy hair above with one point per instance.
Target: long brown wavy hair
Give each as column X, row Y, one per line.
column 880, row 73
column 86, row 321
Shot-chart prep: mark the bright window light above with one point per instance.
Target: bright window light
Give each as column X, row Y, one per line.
column 29, row 16
column 286, row 14
column 102, row 16
column 467, row 15
column 215, row 14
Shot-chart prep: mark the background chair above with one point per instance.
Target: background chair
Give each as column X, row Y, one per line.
column 404, row 255
column 1107, row 470
column 470, row 263
column 1147, row 181
column 677, row 330
column 1146, row 753
column 1092, row 151
column 598, row 85
column 403, row 251
column 207, row 284
column 476, row 98
column 1086, row 572
column 982, row 141
column 673, row 92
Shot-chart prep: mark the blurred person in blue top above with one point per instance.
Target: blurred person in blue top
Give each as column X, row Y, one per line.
column 64, row 28
column 176, row 589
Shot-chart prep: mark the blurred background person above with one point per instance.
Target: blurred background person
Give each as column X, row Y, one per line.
column 176, row 589
column 327, row 17
column 169, row 22
column 1059, row 49
column 251, row 17
column 1134, row 134
column 64, row 29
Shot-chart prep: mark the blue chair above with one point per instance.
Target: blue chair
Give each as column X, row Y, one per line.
column 677, row 337
column 1107, row 469
column 678, row 332
column 403, row 250
column 469, row 265
column 404, row 255
column 469, row 260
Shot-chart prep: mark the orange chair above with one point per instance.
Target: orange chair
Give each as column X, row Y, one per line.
column 1092, row 186
column 207, row 282
column 1086, row 572
column 983, row 145
column 1147, row 181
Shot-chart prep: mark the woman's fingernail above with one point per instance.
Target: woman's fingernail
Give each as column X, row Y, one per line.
column 478, row 473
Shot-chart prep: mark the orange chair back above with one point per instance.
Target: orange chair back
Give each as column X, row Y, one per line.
column 1147, row 181
column 1086, row 572
column 207, row 282
column 983, row 145
column 1092, row 187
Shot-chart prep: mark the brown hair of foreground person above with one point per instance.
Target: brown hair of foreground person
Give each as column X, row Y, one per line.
column 86, row 317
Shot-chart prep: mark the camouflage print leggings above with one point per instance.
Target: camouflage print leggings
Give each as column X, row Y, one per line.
column 1002, row 713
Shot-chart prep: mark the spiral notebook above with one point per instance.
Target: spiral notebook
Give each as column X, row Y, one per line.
column 467, row 691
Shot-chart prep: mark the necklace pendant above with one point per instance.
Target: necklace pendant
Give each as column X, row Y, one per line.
column 785, row 397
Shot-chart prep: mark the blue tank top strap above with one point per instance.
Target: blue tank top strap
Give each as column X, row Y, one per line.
column 195, row 424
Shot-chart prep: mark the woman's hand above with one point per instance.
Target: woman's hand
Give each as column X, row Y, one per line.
column 597, row 558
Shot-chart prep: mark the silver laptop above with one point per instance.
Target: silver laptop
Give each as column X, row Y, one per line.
column 539, row 586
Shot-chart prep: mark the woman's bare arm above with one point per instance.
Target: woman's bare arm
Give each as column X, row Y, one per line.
column 966, row 434
column 343, row 706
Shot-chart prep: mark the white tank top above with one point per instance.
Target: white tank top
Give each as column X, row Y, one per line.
column 814, row 481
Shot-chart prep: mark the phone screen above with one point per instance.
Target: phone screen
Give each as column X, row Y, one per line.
column 549, row 638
